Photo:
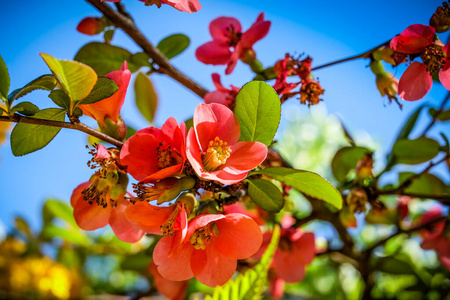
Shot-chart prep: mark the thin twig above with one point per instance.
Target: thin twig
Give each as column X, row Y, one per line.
column 362, row 55
column 120, row 20
column 77, row 126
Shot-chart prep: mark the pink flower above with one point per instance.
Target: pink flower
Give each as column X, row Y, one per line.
column 222, row 95
column 210, row 250
column 182, row 5
column 153, row 154
column 213, row 148
column 416, row 81
column 227, row 32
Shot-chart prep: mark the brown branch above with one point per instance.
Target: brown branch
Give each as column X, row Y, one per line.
column 401, row 231
column 120, row 20
column 362, row 55
column 77, row 126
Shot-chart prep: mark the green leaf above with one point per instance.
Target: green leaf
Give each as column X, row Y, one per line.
column 249, row 285
column 189, row 124
column 345, row 160
column 4, row 80
column 71, row 235
column 25, row 108
column 103, row 88
column 75, row 78
column 130, row 132
column 57, row 209
column 307, row 183
column 104, row 58
column 392, row 265
column 444, row 116
column 404, row 133
column 27, row 138
column 426, row 184
column 417, row 151
column 21, row 225
column 141, row 59
column 136, row 262
column 60, row 98
column 44, row 82
column 146, row 98
column 258, row 109
column 173, row 45
column 266, row 195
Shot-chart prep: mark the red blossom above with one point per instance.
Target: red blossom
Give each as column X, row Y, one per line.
column 414, row 39
column 222, row 95
column 174, row 290
column 227, row 33
column 153, row 154
column 182, row 5
column 90, row 26
column 213, row 148
column 210, row 250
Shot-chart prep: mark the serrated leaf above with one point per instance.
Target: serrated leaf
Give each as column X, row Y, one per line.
column 58, row 209
column 307, row 183
column 173, row 45
column 75, row 78
column 249, row 285
column 25, row 108
column 27, row 138
column 416, row 151
column 146, row 98
column 265, row 194
column 4, row 80
column 258, row 109
column 104, row 58
column 44, row 82
column 345, row 160
column 60, row 98
column 103, row 88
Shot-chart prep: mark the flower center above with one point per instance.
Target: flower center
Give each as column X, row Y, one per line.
column 167, row 156
column 434, row 58
column 233, row 36
column 202, row 236
column 98, row 192
column 216, row 154
column 169, row 227
column 310, row 92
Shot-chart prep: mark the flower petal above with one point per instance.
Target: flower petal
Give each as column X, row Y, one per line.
column 177, row 266
column 239, row 236
column 148, row 217
column 246, row 155
column 413, row 39
column 303, row 247
column 288, row 267
column 175, row 290
column 444, row 75
column 212, row 268
column 220, row 28
column 415, row 82
column 125, row 229
column 189, row 6
column 257, row 31
column 213, row 53
column 205, row 125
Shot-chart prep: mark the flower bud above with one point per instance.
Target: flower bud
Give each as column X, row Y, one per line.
column 91, row 26
column 356, row 200
column 164, row 190
column 117, row 130
column 364, row 167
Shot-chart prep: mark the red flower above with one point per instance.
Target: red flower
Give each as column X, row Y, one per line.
column 182, row 5
column 437, row 238
column 416, row 81
column 227, row 32
column 213, row 148
column 222, row 95
column 110, row 107
column 153, row 154
column 210, row 251
column 90, row 215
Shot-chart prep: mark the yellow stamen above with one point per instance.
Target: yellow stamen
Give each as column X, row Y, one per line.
column 201, row 236
column 216, row 154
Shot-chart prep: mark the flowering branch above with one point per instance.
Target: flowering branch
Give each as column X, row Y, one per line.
column 16, row 118
column 121, row 20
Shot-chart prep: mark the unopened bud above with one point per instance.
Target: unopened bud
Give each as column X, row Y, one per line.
column 208, row 207
column 356, row 200
column 377, row 67
column 91, row 26
column 117, row 130
column 189, row 201
column 364, row 167
column 387, row 85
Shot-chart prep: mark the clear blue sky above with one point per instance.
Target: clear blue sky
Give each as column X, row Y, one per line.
column 325, row 30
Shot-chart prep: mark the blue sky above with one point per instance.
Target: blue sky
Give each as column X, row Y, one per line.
column 325, row 30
